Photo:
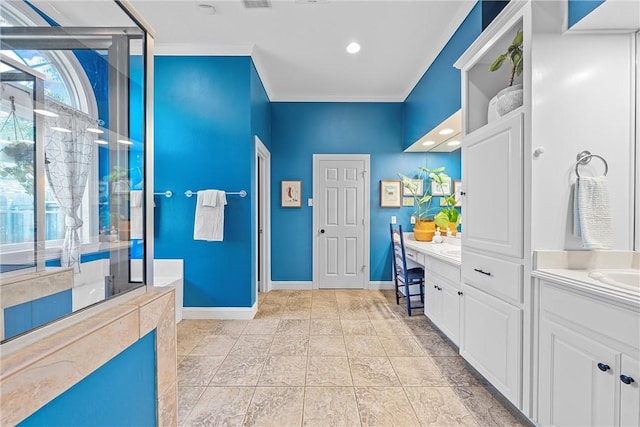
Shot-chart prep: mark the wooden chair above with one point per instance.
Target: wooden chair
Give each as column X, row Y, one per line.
column 404, row 278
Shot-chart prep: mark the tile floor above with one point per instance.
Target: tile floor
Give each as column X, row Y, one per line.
column 329, row 358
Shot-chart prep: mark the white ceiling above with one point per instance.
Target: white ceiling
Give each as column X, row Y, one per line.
column 299, row 47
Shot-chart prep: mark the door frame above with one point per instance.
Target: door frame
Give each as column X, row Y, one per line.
column 317, row 158
column 262, row 152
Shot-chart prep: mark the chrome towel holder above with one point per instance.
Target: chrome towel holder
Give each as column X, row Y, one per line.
column 240, row 193
column 167, row 194
column 584, row 157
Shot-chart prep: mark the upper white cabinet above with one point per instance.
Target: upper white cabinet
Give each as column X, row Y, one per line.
column 492, row 173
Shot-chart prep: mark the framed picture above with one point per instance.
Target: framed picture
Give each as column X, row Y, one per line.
column 390, row 194
column 291, row 194
column 457, row 189
column 413, row 184
column 407, row 201
column 441, row 190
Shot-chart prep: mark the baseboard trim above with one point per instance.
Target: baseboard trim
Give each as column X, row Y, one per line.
column 289, row 285
column 240, row 313
column 381, row 285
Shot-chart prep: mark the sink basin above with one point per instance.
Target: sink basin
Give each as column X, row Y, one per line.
column 455, row 253
column 627, row 279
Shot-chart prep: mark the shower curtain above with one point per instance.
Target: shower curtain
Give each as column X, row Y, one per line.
column 68, row 151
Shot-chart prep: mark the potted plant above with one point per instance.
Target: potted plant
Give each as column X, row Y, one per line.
column 450, row 213
column 510, row 98
column 425, row 227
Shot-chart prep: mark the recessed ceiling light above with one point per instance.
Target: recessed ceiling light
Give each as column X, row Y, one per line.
column 45, row 113
column 453, row 143
column 207, row 9
column 95, row 130
column 59, row 129
column 446, row 131
column 125, row 142
column 428, row 143
column 101, row 142
column 353, row 47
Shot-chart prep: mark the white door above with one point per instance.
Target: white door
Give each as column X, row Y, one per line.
column 341, row 226
column 263, row 219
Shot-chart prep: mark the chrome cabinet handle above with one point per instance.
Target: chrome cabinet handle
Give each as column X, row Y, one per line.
column 603, row 367
column 626, row 379
column 482, row 272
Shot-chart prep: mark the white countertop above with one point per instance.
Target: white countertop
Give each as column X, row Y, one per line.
column 443, row 251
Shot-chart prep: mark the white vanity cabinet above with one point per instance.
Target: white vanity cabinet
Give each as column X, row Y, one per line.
column 443, row 296
column 588, row 348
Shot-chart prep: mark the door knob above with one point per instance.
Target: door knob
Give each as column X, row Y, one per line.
column 625, row 379
column 322, row 231
column 603, row 367
column 460, row 293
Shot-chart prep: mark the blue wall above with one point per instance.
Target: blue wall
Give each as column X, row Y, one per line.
column 438, row 95
column 578, row 9
column 203, row 139
column 122, row 392
column 300, row 130
column 31, row 314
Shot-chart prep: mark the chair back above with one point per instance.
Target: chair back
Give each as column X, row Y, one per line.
column 399, row 256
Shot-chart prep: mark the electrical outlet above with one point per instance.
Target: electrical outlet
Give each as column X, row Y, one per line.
column 393, row 219
column 413, row 219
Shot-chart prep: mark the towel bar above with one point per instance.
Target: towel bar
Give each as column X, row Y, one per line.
column 240, row 193
column 166, row 194
column 584, row 157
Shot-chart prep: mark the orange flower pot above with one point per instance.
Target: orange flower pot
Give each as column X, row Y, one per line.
column 424, row 229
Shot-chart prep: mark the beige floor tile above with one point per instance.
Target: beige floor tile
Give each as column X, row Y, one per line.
column 373, row 371
column 349, row 314
column 289, row 345
column 328, row 371
column 400, row 345
column 252, row 344
column 363, row 345
column 330, row 406
column 389, row 327
column 419, row 325
column 417, row 371
column 486, row 409
column 327, row 345
column 293, row 327
column 261, row 327
column 357, row 327
column 198, row 370
column 188, row 396
column 324, row 313
column 214, row 345
column 187, row 342
column 228, row 327
column 435, row 345
column 284, row 371
column 458, row 372
column 221, row 406
column 268, row 310
column 240, row 370
column 385, row 406
column 296, row 313
column 439, row 406
column 275, row 406
column 325, row 327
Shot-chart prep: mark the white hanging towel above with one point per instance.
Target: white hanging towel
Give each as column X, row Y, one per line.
column 135, row 214
column 592, row 219
column 209, row 220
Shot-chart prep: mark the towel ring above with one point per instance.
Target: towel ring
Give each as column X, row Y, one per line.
column 584, row 157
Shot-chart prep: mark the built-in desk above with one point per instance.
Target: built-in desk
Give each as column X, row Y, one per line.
column 443, row 289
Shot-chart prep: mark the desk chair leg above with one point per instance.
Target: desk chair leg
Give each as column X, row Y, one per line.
column 422, row 292
column 408, row 299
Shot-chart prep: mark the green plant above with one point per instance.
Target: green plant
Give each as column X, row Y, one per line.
column 450, row 213
column 423, row 200
column 514, row 53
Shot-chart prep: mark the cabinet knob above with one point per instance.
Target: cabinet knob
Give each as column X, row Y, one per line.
column 625, row 379
column 460, row 293
column 603, row 367
column 462, row 193
column 322, row 231
column 435, row 287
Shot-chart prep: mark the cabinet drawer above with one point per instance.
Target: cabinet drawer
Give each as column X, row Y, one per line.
column 596, row 316
column 441, row 268
column 411, row 254
column 494, row 276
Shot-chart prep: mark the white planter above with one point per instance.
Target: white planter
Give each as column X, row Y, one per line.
column 509, row 99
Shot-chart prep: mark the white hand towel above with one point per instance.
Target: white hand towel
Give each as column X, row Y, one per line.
column 210, row 198
column 135, row 214
column 592, row 219
column 209, row 220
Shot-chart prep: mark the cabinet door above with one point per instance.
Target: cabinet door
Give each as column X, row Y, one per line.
column 493, row 183
column 491, row 338
column 450, row 324
column 433, row 302
column 630, row 393
column 573, row 388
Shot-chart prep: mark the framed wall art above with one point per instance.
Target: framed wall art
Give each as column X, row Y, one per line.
column 291, row 194
column 390, row 193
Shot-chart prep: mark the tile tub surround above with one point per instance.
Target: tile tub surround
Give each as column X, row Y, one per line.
column 353, row 368
column 32, row 376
